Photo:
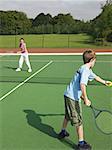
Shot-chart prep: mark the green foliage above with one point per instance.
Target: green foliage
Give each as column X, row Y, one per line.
column 13, row 22
column 101, row 26
column 42, row 19
column 109, row 37
column 63, row 19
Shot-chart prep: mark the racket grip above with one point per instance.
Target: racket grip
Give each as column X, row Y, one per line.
column 91, row 106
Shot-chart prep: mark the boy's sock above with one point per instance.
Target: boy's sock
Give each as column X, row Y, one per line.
column 81, row 142
column 63, row 130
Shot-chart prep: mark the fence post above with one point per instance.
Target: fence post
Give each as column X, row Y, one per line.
column 68, row 40
column 42, row 40
column 15, row 37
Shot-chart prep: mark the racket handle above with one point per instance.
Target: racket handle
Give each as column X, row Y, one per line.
column 91, row 106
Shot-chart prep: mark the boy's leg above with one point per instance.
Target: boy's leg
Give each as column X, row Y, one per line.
column 65, row 122
column 76, row 120
column 82, row 144
column 63, row 132
column 80, row 133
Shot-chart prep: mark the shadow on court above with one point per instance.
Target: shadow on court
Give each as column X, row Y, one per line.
column 12, row 68
column 8, row 67
column 34, row 120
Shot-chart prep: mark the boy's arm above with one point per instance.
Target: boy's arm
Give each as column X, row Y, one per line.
column 99, row 79
column 84, row 95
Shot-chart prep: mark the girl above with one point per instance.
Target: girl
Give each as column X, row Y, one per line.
column 24, row 56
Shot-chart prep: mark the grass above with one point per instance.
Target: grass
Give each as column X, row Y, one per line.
column 50, row 41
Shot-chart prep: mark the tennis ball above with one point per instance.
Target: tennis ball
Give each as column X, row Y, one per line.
column 109, row 84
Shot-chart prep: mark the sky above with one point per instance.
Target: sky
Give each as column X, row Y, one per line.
column 79, row 9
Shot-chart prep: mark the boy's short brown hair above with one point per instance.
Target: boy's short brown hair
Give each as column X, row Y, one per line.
column 88, row 55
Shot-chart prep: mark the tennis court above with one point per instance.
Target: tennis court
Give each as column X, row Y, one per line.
column 32, row 107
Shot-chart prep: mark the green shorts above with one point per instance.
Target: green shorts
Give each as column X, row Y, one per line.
column 73, row 111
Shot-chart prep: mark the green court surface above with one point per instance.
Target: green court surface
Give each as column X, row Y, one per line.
column 32, row 114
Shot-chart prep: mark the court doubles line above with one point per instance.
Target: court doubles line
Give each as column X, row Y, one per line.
column 22, row 83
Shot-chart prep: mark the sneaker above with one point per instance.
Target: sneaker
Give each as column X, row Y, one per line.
column 84, row 146
column 63, row 134
column 18, row 69
column 29, row 70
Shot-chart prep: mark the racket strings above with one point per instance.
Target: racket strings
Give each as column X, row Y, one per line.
column 103, row 120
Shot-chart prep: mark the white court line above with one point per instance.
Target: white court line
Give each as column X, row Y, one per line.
column 36, row 54
column 38, row 71
column 58, row 61
column 1, row 56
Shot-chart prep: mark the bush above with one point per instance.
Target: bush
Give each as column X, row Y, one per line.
column 109, row 37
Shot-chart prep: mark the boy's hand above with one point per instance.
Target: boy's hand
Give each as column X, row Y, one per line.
column 108, row 83
column 87, row 102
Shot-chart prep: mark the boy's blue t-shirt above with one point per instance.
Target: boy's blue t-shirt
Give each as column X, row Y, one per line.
column 83, row 75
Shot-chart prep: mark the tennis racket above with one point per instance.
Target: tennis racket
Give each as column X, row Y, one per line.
column 103, row 120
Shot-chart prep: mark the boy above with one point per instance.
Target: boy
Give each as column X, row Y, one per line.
column 76, row 90
column 24, row 56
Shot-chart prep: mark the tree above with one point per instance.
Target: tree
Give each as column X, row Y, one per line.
column 42, row 19
column 101, row 26
column 13, row 22
column 62, row 23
